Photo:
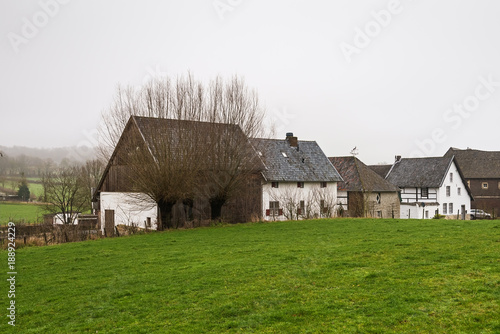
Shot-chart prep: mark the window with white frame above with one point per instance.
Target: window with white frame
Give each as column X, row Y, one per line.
column 459, row 191
column 448, row 191
column 450, row 208
column 451, row 177
column 484, row 185
column 445, row 208
column 425, row 192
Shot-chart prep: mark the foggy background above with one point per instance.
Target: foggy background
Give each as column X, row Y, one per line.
column 388, row 77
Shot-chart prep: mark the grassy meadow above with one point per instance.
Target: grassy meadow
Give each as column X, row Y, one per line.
column 11, row 184
column 18, row 211
column 319, row 276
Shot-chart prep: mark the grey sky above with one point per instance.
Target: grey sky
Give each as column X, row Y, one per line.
column 420, row 80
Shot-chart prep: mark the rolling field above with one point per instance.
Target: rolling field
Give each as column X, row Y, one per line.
column 27, row 212
column 11, row 184
column 320, row 276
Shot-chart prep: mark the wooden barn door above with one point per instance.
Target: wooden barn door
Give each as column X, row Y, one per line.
column 109, row 223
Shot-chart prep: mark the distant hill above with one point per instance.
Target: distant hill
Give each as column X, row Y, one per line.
column 77, row 154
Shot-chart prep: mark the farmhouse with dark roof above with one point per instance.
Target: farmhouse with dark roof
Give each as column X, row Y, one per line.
column 481, row 171
column 364, row 193
column 298, row 179
column 430, row 186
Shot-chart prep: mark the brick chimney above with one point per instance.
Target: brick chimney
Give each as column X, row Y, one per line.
column 293, row 141
column 397, row 158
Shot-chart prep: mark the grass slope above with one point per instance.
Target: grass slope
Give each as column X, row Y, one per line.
column 27, row 212
column 323, row 276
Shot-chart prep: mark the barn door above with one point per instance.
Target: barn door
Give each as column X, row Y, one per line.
column 109, row 223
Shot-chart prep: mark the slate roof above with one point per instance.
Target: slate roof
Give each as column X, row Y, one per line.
column 381, row 170
column 226, row 137
column 308, row 163
column 419, row 172
column 476, row 164
column 359, row 177
column 164, row 129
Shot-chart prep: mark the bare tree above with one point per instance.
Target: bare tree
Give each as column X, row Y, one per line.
column 66, row 193
column 201, row 151
column 91, row 173
column 231, row 159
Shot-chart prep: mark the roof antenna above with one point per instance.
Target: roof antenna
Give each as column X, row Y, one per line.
column 354, row 151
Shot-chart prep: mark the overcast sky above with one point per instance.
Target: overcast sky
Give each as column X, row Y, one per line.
column 388, row 77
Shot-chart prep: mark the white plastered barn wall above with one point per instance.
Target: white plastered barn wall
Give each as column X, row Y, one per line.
column 129, row 208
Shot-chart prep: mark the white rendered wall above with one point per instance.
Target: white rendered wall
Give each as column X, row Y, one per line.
column 59, row 219
column 417, row 211
column 457, row 200
column 130, row 208
column 311, row 194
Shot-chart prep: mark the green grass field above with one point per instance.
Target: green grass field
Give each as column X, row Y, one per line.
column 35, row 189
column 11, row 184
column 27, row 212
column 322, row 276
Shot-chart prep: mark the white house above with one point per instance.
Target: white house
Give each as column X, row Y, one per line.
column 298, row 180
column 430, row 186
column 60, row 218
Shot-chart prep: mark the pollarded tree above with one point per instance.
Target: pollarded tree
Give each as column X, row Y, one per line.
column 201, row 150
column 231, row 160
